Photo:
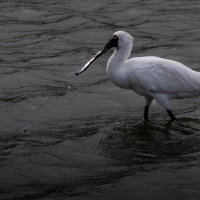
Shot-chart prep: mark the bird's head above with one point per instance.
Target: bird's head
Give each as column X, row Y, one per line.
column 117, row 40
column 124, row 38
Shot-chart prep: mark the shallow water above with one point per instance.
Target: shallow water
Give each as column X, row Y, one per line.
column 63, row 136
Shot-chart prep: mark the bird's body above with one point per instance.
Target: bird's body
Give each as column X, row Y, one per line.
column 151, row 77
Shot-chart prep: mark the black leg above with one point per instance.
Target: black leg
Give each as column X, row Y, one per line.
column 146, row 109
column 171, row 115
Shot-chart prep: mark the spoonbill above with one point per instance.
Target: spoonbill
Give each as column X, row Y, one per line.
column 151, row 77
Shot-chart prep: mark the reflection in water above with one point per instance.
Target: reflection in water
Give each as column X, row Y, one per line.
column 99, row 153
column 151, row 142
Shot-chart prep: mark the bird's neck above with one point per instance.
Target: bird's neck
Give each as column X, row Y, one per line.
column 116, row 66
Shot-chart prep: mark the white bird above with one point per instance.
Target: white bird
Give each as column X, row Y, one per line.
column 151, row 77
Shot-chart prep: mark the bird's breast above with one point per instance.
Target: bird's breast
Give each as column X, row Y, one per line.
column 119, row 77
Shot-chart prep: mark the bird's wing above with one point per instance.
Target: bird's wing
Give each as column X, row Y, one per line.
column 166, row 77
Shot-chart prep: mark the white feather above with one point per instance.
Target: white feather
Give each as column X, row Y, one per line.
column 151, row 77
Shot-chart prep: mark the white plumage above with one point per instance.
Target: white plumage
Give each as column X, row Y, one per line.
column 151, row 77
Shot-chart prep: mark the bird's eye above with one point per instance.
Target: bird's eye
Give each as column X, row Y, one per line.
column 115, row 37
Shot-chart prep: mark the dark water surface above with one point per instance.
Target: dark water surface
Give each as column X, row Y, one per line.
column 68, row 137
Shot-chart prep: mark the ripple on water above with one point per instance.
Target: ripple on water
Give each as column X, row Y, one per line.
column 64, row 136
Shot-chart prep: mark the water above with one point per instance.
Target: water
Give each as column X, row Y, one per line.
column 68, row 137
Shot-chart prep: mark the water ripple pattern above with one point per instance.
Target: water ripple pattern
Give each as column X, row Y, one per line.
column 68, row 137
